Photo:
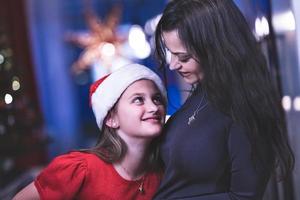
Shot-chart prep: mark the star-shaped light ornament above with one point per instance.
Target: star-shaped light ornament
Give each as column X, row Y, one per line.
column 100, row 44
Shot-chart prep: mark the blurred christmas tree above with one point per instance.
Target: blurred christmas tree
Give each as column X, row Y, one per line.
column 22, row 142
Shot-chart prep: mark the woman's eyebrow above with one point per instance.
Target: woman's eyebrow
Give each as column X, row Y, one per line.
column 178, row 53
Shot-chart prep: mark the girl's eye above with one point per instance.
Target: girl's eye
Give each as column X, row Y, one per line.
column 138, row 100
column 158, row 100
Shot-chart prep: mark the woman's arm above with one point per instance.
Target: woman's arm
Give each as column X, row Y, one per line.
column 28, row 193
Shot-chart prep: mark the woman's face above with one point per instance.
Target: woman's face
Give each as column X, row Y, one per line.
column 181, row 61
column 140, row 111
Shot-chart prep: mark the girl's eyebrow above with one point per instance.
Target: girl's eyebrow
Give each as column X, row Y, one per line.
column 136, row 94
column 143, row 94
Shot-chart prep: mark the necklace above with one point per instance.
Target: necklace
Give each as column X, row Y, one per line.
column 140, row 178
column 141, row 187
column 198, row 109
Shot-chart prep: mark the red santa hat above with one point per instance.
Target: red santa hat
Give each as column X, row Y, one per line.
column 105, row 92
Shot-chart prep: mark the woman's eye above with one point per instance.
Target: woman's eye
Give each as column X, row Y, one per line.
column 184, row 58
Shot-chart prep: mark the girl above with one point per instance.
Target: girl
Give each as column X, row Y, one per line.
column 129, row 106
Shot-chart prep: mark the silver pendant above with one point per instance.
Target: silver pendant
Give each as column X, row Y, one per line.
column 141, row 188
column 191, row 119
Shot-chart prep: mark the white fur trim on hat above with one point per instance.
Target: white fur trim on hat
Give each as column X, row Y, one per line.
column 112, row 87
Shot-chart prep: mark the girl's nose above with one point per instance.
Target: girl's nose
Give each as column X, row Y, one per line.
column 152, row 107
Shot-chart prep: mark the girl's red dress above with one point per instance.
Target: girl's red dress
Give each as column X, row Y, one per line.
column 79, row 175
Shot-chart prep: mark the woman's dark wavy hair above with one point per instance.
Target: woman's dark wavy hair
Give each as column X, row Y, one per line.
column 111, row 148
column 236, row 77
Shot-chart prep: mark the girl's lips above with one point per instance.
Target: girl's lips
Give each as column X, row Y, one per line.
column 152, row 119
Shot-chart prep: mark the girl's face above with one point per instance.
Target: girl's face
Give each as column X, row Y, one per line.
column 140, row 111
column 181, row 61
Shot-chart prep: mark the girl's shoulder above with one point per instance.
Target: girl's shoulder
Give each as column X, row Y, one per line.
column 72, row 170
column 78, row 159
column 73, row 163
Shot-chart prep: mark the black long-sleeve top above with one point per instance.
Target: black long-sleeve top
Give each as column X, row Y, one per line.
column 210, row 159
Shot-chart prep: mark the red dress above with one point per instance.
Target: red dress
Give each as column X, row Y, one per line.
column 78, row 175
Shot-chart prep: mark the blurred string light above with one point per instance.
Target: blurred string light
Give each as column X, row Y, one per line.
column 296, row 103
column 108, row 50
column 15, row 83
column 261, row 26
column 287, row 103
column 2, row 59
column 8, row 99
column 284, row 22
column 137, row 41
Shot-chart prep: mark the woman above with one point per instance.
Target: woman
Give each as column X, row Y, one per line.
column 129, row 106
column 229, row 136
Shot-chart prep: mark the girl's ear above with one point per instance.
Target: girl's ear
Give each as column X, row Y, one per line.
column 111, row 120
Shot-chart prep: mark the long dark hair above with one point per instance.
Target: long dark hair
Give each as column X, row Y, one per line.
column 236, row 77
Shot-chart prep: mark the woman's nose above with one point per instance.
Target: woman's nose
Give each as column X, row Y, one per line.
column 174, row 64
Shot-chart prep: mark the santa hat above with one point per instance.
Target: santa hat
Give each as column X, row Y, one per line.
column 105, row 92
